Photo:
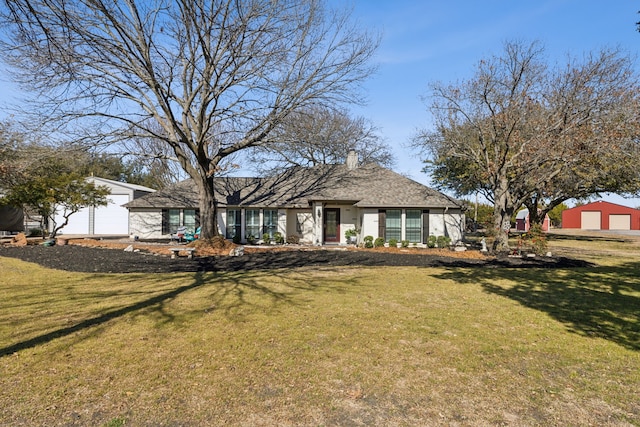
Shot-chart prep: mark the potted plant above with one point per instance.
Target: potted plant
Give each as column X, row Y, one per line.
column 352, row 235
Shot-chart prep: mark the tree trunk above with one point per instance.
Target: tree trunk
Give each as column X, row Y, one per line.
column 502, row 212
column 208, row 208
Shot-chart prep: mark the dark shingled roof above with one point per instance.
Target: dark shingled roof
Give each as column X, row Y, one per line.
column 366, row 186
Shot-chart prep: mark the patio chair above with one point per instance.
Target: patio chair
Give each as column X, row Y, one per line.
column 190, row 237
column 179, row 234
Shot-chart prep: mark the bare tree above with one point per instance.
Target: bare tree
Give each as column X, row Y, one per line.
column 320, row 135
column 520, row 131
column 217, row 76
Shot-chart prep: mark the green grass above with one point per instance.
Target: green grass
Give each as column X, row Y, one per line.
column 329, row 346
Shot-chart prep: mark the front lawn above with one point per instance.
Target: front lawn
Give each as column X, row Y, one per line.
column 333, row 346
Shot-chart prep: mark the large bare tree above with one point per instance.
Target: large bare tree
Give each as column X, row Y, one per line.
column 320, row 135
column 207, row 77
column 523, row 132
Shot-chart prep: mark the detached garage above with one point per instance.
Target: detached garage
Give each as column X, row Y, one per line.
column 601, row 216
column 112, row 219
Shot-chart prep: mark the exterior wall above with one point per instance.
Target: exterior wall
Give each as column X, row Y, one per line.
column 571, row 218
column 369, row 223
column 146, row 223
column 317, row 223
column 299, row 222
column 454, row 224
column 282, row 222
column 437, row 225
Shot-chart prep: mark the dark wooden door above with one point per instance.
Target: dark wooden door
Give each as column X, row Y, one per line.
column 332, row 225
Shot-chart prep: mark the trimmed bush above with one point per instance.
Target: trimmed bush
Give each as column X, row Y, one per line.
column 404, row 243
column 431, row 242
column 393, row 243
column 35, row 232
column 443, row 241
column 379, row 242
column 368, row 241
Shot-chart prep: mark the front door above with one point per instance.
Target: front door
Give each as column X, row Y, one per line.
column 332, row 225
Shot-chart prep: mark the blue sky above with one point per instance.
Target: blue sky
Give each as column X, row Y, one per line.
column 442, row 40
column 439, row 40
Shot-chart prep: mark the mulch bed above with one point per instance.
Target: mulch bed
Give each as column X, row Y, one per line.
column 110, row 260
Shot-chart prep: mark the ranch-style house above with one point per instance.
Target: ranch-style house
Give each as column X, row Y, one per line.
column 316, row 204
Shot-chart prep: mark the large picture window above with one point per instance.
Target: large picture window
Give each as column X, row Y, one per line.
column 252, row 224
column 393, row 224
column 172, row 219
column 270, row 221
column 413, row 225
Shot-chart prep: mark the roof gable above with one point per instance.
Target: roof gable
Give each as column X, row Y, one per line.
column 600, row 204
column 111, row 183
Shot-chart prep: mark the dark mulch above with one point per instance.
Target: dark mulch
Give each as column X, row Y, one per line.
column 102, row 260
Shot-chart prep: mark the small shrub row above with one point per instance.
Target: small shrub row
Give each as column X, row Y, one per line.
column 438, row 241
column 278, row 238
column 432, row 242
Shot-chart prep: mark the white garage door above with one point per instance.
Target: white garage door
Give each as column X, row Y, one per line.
column 619, row 222
column 590, row 220
column 78, row 222
column 113, row 218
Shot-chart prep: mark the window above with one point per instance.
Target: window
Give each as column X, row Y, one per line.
column 234, row 223
column 393, row 224
column 270, row 221
column 252, row 223
column 413, row 226
column 172, row 219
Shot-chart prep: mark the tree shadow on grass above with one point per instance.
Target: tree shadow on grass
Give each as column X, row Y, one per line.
column 234, row 293
column 595, row 302
column 100, row 319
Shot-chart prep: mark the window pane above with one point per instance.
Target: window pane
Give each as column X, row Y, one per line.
column 393, row 224
column 190, row 220
column 233, row 223
column 174, row 220
column 270, row 221
column 413, row 229
column 252, row 223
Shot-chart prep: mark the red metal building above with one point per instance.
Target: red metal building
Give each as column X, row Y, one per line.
column 601, row 215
